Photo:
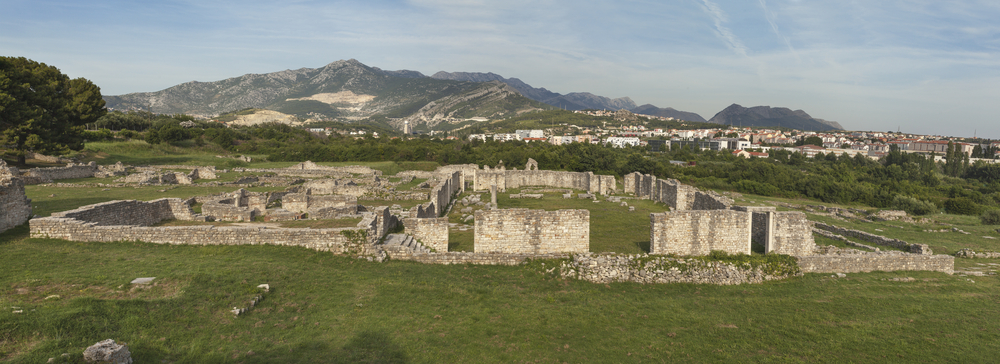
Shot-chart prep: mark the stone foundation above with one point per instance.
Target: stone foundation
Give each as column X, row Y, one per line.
column 673, row 193
column 523, row 231
column 887, row 261
column 130, row 220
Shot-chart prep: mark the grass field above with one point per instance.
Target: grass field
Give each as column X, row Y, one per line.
column 60, row 297
column 330, row 309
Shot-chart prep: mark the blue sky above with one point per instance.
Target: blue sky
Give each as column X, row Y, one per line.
column 929, row 67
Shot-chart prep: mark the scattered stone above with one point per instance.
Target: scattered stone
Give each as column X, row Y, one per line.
column 841, row 275
column 144, row 280
column 53, row 297
column 108, row 351
column 631, row 208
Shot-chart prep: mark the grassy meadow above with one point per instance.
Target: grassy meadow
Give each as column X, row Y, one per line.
column 60, row 297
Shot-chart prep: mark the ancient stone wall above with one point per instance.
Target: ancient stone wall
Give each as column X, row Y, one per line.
column 673, row 193
column 505, row 179
column 125, row 220
column 432, row 232
column 15, row 207
column 301, row 202
column 602, row 268
column 877, row 239
column 442, row 193
column 130, row 212
column 469, row 257
column 71, row 170
column 241, row 205
column 523, row 231
column 885, row 261
column 792, row 234
column 699, row 232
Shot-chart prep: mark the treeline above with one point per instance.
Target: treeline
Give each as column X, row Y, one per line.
column 901, row 180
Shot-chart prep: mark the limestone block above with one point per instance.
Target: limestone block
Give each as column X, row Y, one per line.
column 108, row 351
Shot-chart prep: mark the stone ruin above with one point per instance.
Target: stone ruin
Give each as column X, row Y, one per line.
column 700, row 222
column 15, row 207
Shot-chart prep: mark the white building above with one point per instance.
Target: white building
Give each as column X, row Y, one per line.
column 530, row 133
column 622, row 142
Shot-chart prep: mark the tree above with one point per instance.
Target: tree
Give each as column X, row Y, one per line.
column 43, row 110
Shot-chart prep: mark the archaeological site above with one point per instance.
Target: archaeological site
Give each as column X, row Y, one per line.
column 693, row 223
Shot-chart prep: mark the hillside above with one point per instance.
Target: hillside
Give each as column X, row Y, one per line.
column 669, row 112
column 570, row 101
column 766, row 116
column 347, row 90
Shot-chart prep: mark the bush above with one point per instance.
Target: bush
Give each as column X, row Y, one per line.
column 962, row 206
column 756, row 188
column 990, row 217
column 912, row 205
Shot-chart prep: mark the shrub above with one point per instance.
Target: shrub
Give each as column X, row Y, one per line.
column 990, row 217
column 912, row 205
column 962, row 206
column 756, row 188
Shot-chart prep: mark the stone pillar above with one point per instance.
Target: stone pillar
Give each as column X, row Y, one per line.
column 493, row 195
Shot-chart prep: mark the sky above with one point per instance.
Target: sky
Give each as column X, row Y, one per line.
column 925, row 67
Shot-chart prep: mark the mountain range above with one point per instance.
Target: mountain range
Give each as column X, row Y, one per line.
column 350, row 90
column 766, row 116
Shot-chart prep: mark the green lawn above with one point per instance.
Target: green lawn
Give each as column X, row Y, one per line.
column 330, row 309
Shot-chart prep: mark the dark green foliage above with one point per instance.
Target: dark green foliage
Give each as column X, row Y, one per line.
column 43, row 110
column 912, row 205
column 132, row 120
column 962, row 206
column 990, row 217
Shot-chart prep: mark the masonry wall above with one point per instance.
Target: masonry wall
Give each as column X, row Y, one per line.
column 15, row 207
column 123, row 220
column 300, row 202
column 70, row 171
column 699, row 232
column 468, row 257
column 505, row 179
column 673, row 193
column 432, row 232
column 875, row 261
column 792, row 234
column 129, row 212
column 523, row 231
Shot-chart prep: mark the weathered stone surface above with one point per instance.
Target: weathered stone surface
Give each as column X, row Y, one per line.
column 855, row 261
column 872, row 238
column 71, row 170
column 108, row 351
column 699, row 232
column 504, row 179
column 641, row 268
column 130, row 220
column 432, row 232
column 523, row 231
column 15, row 207
column 674, row 194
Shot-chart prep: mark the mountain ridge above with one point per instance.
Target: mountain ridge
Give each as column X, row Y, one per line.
column 766, row 116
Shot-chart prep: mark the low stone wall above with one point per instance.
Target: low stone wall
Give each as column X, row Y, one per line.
column 71, row 170
column 327, row 204
column 699, row 232
column 504, row 179
column 647, row 269
column 856, row 261
column 15, row 207
column 432, row 232
column 447, row 258
column 241, row 205
column 523, row 231
column 877, row 239
column 129, row 220
column 673, row 193
column 129, row 212
column 969, row 253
